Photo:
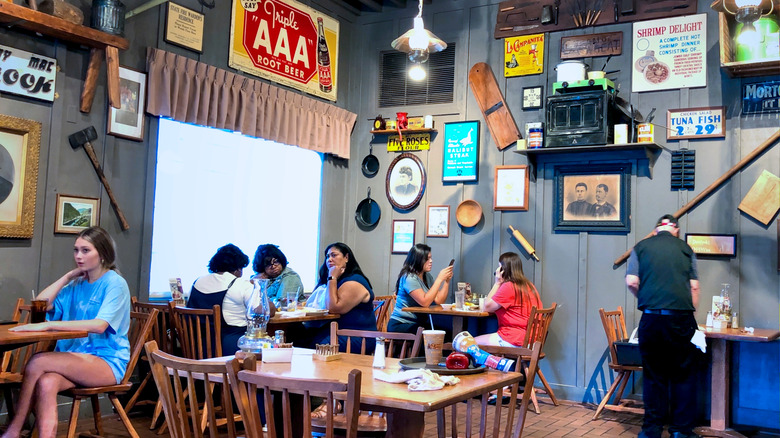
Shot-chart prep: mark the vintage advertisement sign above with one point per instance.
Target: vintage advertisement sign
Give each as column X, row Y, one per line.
column 27, row 74
column 587, row 46
column 286, row 42
column 461, row 151
column 670, row 53
column 524, row 55
column 184, row 27
column 696, row 123
column 411, row 142
column 761, row 97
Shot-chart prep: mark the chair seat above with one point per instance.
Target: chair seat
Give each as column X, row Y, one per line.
column 86, row 392
column 618, row 367
column 7, row 378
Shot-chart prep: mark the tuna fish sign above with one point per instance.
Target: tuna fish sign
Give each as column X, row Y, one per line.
column 286, row 42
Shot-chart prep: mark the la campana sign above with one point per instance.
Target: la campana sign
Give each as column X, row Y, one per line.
column 286, row 42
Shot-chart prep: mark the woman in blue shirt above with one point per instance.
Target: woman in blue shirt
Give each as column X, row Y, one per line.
column 414, row 288
column 91, row 297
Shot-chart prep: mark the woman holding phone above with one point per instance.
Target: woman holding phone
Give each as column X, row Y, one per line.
column 415, row 287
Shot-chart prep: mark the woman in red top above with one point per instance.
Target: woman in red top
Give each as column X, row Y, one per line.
column 511, row 299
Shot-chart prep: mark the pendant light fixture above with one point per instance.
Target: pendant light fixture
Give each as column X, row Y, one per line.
column 418, row 43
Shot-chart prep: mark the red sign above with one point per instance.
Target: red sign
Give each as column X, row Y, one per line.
column 281, row 39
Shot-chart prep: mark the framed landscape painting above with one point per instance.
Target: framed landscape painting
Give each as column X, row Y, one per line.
column 76, row 213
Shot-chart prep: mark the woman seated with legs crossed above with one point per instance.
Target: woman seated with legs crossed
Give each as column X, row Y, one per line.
column 511, row 299
column 92, row 297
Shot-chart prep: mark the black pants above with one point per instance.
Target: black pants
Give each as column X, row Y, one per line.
column 670, row 364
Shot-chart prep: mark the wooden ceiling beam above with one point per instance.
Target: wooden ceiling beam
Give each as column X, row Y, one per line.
column 372, row 5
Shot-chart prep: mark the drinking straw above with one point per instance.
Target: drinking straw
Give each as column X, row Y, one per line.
column 431, row 318
column 33, row 293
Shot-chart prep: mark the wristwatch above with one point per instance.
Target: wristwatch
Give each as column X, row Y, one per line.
column 331, row 278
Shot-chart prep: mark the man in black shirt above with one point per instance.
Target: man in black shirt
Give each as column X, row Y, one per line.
column 662, row 275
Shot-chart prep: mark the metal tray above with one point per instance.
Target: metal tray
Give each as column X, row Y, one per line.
column 415, row 363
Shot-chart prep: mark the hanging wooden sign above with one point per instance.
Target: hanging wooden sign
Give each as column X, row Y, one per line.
column 27, row 74
column 586, row 46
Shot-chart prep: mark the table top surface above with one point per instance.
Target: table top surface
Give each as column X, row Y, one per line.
column 8, row 338
column 378, row 393
column 730, row 334
column 438, row 310
column 279, row 319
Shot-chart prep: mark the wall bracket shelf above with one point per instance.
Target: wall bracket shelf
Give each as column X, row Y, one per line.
column 403, row 131
column 100, row 43
column 651, row 151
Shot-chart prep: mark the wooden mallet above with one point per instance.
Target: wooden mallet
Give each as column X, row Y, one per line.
column 84, row 138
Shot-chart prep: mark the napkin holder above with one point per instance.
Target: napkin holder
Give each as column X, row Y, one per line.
column 277, row 354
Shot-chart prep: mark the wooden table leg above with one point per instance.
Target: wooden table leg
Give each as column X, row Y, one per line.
column 719, row 388
column 405, row 424
column 457, row 325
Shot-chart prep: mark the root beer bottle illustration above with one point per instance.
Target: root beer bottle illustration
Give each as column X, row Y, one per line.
column 323, row 59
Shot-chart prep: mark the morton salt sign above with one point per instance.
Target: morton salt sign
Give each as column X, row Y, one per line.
column 286, row 42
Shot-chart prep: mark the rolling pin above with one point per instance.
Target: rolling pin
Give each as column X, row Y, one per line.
column 527, row 246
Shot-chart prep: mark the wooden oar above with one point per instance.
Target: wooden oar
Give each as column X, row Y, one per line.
column 768, row 143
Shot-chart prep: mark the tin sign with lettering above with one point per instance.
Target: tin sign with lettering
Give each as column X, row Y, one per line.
column 411, row 142
column 286, row 42
column 696, row 123
column 27, row 74
column 761, row 97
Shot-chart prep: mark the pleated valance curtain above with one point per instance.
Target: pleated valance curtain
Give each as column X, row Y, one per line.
column 193, row 92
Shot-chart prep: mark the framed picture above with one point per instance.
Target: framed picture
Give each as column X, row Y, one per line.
column 405, row 182
column 438, row 221
column 76, row 213
column 403, row 235
column 592, row 198
column 460, row 159
column 20, row 144
column 128, row 121
column 712, row 244
column 184, row 27
column 511, row 188
column 689, row 123
column 532, row 97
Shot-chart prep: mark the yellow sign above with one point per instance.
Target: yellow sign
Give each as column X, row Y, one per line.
column 411, row 142
column 524, row 55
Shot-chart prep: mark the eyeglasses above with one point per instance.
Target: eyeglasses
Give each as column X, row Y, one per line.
column 272, row 262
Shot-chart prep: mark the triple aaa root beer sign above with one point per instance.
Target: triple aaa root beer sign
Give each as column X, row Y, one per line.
column 286, row 42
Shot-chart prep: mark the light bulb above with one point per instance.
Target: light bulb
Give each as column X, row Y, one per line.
column 418, row 40
column 417, row 72
column 418, row 56
column 749, row 36
column 743, row 3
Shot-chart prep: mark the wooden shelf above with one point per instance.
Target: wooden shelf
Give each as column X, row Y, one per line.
column 651, row 151
column 403, row 131
column 99, row 42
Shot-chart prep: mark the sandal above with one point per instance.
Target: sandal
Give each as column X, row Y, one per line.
column 322, row 411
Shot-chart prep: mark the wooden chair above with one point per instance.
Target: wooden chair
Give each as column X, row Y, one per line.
column 491, row 422
column 246, row 383
column 615, row 327
column 397, row 345
column 383, row 308
column 141, row 326
column 199, row 331
column 164, row 335
column 14, row 361
column 177, row 381
column 538, row 325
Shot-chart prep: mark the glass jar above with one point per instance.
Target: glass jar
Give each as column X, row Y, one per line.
column 257, row 315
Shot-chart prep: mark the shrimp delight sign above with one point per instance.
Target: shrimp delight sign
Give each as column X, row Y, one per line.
column 286, row 42
column 670, row 53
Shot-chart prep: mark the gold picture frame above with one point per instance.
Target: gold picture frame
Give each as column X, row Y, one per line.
column 20, row 144
column 76, row 213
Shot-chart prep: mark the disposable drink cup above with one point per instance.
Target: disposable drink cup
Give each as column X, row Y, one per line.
column 434, row 340
column 292, row 300
column 460, row 298
column 38, row 310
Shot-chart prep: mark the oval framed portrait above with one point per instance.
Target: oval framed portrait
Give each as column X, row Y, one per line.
column 405, row 182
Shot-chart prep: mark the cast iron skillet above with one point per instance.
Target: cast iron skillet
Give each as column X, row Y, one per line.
column 368, row 212
column 370, row 163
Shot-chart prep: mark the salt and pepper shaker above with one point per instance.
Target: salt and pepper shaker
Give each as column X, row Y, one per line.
column 379, row 353
column 709, row 319
column 735, row 321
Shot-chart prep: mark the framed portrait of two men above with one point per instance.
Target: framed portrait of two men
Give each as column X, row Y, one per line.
column 592, row 198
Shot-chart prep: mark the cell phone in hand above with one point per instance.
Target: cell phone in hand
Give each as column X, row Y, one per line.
column 452, row 262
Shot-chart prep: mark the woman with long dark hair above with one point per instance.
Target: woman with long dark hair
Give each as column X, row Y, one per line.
column 511, row 299
column 416, row 288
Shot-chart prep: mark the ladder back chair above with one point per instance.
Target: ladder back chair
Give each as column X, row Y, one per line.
column 199, row 331
column 494, row 422
column 14, row 361
column 178, row 380
column 247, row 384
column 141, row 327
column 538, row 327
column 615, row 327
column 383, row 308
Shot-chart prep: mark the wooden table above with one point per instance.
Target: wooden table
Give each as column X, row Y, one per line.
column 11, row 340
column 457, row 315
column 721, row 353
column 278, row 319
column 405, row 409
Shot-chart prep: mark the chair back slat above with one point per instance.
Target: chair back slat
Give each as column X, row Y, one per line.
column 199, row 331
column 383, row 311
column 15, row 360
column 248, row 383
column 614, row 323
column 399, row 345
column 162, row 332
column 538, row 324
column 141, row 328
column 185, row 387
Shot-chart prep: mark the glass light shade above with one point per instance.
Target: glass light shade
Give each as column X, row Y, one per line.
column 417, row 72
column 743, row 3
column 749, row 36
column 418, row 56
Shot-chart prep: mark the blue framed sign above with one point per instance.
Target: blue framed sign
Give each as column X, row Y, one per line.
column 461, row 151
column 761, row 97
